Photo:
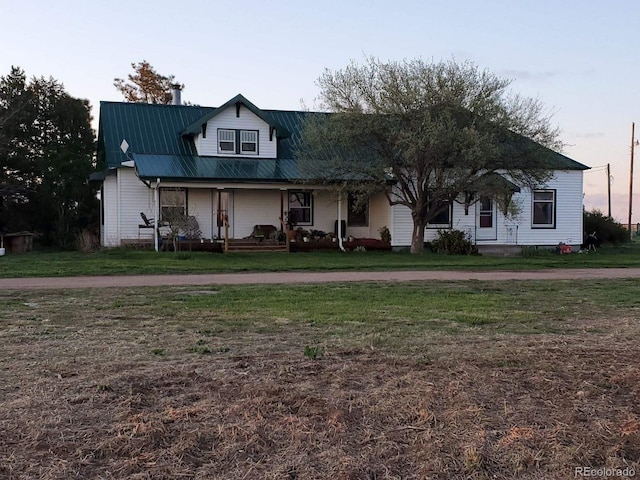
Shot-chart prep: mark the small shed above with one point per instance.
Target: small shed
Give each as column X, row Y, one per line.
column 18, row 242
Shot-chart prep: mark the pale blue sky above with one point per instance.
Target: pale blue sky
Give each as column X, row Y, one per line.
column 579, row 57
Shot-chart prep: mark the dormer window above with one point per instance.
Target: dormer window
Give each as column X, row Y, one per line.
column 227, row 141
column 249, row 142
column 237, row 142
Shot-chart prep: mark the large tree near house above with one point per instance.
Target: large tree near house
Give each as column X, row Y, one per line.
column 46, row 155
column 426, row 134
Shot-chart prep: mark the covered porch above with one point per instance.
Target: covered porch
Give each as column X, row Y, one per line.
column 237, row 217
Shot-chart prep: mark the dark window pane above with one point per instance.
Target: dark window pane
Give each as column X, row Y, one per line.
column 544, row 208
column 358, row 211
column 300, row 208
column 444, row 217
column 543, row 213
column 486, row 220
column 543, row 196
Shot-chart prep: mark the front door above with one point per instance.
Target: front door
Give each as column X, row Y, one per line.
column 486, row 219
column 224, row 213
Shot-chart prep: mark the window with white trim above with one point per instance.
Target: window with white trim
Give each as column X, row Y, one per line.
column 237, row 142
column 249, row 142
column 173, row 203
column 226, row 141
column 486, row 212
column 544, row 209
column 301, row 207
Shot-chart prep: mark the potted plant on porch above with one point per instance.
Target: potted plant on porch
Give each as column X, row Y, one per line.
column 290, row 224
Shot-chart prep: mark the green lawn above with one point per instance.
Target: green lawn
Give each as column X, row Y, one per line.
column 129, row 262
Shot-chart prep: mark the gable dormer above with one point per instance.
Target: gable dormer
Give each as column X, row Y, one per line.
column 236, row 129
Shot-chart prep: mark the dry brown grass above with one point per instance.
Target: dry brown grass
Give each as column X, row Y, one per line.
column 88, row 393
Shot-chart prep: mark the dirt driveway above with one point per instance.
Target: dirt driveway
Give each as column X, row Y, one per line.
column 310, row 277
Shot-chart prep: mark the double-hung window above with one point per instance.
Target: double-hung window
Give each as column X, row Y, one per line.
column 301, row 207
column 443, row 217
column 358, row 211
column 237, row 142
column 227, row 141
column 544, row 209
column 173, row 204
column 248, row 142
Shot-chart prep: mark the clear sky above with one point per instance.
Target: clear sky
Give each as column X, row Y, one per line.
column 580, row 57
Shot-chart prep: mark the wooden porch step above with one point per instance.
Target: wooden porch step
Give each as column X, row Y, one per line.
column 253, row 246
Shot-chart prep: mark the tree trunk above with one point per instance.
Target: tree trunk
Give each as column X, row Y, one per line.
column 417, row 239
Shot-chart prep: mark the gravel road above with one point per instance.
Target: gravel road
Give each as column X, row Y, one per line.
column 310, row 277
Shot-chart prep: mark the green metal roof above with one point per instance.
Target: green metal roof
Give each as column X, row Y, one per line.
column 491, row 180
column 293, row 121
column 157, row 141
column 195, row 168
column 517, row 149
column 147, row 128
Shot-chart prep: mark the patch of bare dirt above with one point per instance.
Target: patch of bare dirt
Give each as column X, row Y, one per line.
column 105, row 387
column 533, row 407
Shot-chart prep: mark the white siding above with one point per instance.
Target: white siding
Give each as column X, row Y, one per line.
column 402, row 226
column 461, row 221
column 200, row 205
column 325, row 211
column 135, row 197
column 110, row 202
column 125, row 196
column 325, row 214
column 379, row 216
column 255, row 207
column 568, row 226
column 246, row 121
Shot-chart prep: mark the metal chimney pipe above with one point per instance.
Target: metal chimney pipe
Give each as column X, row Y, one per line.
column 176, row 94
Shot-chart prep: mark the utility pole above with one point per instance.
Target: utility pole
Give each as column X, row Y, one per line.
column 633, row 139
column 609, row 188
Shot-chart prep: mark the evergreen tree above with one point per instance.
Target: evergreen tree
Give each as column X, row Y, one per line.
column 46, row 154
column 146, row 85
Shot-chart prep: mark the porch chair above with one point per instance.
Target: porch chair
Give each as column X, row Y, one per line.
column 148, row 224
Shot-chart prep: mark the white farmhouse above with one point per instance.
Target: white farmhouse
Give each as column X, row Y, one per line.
column 233, row 167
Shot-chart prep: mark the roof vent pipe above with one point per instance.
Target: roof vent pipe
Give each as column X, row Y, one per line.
column 176, row 91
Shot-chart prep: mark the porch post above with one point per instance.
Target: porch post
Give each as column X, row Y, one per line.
column 339, row 232
column 284, row 227
column 282, row 192
column 156, row 215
